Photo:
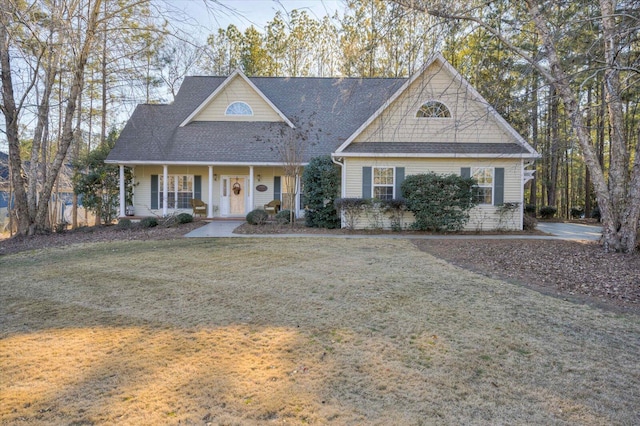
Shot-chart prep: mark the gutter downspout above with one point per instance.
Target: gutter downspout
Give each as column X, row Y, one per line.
column 343, row 179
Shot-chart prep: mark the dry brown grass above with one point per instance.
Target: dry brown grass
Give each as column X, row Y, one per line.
column 341, row 331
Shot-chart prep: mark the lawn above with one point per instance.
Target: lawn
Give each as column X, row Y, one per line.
column 298, row 331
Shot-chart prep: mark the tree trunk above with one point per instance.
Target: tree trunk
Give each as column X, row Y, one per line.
column 10, row 111
column 67, row 129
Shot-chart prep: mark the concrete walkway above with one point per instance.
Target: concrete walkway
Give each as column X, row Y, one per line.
column 557, row 231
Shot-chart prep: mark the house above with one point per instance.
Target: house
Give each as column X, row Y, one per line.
column 227, row 141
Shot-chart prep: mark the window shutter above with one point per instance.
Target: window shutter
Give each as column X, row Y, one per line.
column 154, row 192
column 197, row 187
column 498, row 186
column 277, row 191
column 465, row 172
column 366, row 182
column 399, row 179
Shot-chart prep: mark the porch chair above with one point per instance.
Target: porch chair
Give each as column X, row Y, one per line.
column 272, row 207
column 199, row 207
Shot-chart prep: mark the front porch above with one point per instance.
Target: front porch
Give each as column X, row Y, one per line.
column 229, row 191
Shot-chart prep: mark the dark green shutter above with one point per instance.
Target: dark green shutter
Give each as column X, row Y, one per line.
column 154, row 192
column 197, row 187
column 277, row 191
column 399, row 180
column 465, row 172
column 366, row 182
column 498, row 186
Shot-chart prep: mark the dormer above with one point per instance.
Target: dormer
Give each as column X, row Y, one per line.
column 237, row 99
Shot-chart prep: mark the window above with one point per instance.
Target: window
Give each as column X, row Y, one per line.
column 483, row 191
column 383, row 183
column 433, row 109
column 239, row 108
column 179, row 191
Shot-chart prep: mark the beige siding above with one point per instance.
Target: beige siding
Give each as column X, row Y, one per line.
column 482, row 217
column 470, row 120
column 238, row 90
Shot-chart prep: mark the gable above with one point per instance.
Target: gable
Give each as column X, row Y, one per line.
column 237, row 90
column 470, row 121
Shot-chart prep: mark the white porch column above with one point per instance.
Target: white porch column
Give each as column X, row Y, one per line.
column 210, row 195
column 250, row 188
column 165, row 189
column 122, row 192
column 298, row 207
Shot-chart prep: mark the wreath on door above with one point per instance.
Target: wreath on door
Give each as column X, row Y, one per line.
column 236, row 188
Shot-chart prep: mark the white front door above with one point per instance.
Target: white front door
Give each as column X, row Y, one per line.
column 233, row 194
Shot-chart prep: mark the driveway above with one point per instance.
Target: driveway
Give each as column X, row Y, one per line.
column 571, row 231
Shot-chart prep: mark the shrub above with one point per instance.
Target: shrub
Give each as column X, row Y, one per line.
column 351, row 208
column 595, row 213
column 124, row 224
column 439, row 202
column 547, row 212
column 184, row 218
column 321, row 180
column 529, row 223
column 149, row 222
column 283, row 216
column 61, row 227
column 257, row 217
column 530, row 209
column 396, row 209
column 576, row 212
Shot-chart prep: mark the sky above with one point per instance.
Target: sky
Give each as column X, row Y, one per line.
column 211, row 15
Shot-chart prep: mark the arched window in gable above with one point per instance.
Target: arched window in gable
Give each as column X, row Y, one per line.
column 433, row 109
column 238, row 108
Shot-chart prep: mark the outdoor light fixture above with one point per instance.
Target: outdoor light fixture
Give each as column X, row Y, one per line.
column 259, row 177
column 215, row 177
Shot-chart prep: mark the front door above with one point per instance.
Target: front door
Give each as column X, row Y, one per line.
column 233, row 194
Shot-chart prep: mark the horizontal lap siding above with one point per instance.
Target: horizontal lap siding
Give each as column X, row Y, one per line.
column 238, row 91
column 470, row 120
column 142, row 192
column 482, row 217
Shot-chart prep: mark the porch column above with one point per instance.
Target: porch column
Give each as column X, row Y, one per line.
column 122, row 192
column 165, row 190
column 210, row 195
column 250, row 188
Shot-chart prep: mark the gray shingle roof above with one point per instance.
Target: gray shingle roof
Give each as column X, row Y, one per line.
column 326, row 111
column 435, row 148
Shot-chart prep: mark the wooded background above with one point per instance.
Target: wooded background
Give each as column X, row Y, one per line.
column 72, row 70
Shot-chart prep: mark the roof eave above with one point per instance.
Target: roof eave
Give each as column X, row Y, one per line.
column 432, row 155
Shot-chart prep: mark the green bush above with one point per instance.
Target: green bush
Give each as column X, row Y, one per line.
column 257, row 217
column 530, row 209
column 321, row 180
column 576, row 212
column 395, row 208
column 184, row 218
column 439, row 202
column 547, row 212
column 124, row 223
column 283, row 216
column 149, row 222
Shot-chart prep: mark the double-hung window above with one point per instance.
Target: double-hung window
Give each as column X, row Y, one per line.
column 483, row 191
column 383, row 183
column 179, row 191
